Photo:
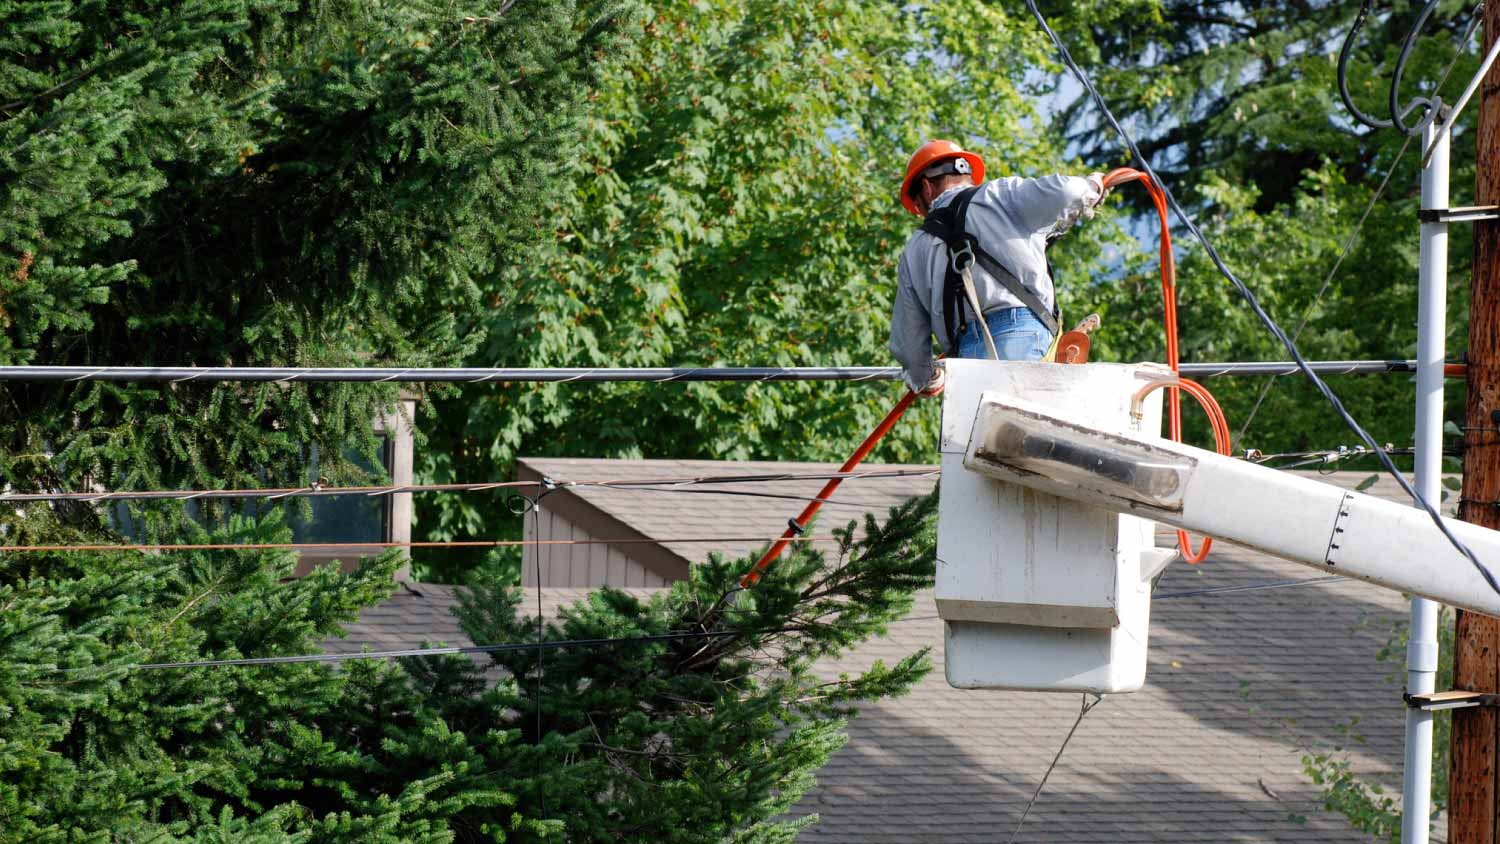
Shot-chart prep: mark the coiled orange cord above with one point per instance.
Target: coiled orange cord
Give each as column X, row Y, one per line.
column 1210, row 405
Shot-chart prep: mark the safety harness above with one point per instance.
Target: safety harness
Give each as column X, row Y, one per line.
column 947, row 225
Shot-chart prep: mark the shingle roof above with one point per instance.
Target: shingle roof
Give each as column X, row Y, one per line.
column 1240, row 686
column 717, row 509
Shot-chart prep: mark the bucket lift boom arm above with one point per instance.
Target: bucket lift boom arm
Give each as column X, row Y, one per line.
column 1297, row 518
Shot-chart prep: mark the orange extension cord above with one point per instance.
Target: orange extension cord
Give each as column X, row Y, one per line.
column 1169, row 314
column 1174, row 400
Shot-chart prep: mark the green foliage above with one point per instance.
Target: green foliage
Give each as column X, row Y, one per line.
column 1237, row 106
column 1368, row 808
column 259, row 182
column 237, row 182
column 690, row 740
column 686, row 740
column 92, row 749
column 1365, row 803
column 231, row 181
column 735, row 203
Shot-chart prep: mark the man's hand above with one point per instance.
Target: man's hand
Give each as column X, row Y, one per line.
column 935, row 385
column 1096, row 181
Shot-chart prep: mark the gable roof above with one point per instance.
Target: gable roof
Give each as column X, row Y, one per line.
column 709, row 509
column 1240, row 685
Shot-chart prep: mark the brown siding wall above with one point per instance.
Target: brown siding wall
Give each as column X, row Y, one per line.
column 582, row 566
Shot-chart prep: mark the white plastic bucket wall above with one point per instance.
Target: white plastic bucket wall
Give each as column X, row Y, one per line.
column 1039, row 592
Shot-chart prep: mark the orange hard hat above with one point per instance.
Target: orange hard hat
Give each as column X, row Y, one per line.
column 929, row 154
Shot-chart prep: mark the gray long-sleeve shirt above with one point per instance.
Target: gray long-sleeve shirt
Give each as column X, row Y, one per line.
column 1012, row 217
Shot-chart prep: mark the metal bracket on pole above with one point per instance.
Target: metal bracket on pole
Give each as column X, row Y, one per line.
column 1433, row 701
column 1463, row 214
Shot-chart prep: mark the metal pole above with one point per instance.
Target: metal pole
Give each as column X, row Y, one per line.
column 1422, row 642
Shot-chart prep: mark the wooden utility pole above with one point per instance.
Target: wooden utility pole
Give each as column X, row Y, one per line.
column 1473, row 803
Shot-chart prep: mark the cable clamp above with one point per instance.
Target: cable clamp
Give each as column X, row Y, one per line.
column 1464, row 214
column 796, row 527
column 1434, row 701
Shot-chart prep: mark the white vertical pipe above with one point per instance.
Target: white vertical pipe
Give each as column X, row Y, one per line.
column 1422, row 644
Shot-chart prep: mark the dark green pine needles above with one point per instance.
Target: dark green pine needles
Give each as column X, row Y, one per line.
column 280, row 183
column 693, row 740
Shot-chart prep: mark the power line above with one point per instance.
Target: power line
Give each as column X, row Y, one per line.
column 376, row 546
column 1379, row 191
column 412, row 375
column 1083, row 710
column 1255, row 306
column 462, row 649
column 780, row 496
column 322, row 490
column 460, row 375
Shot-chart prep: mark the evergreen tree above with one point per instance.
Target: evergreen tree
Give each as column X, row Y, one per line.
column 270, row 183
column 693, row 739
column 236, row 182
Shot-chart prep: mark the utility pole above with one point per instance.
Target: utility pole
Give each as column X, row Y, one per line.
column 1473, row 811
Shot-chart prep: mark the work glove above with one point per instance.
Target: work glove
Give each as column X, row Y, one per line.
column 1099, row 192
column 936, row 383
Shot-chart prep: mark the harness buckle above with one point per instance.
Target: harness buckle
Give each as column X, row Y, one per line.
column 955, row 255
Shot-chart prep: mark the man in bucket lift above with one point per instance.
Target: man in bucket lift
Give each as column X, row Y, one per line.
column 982, row 250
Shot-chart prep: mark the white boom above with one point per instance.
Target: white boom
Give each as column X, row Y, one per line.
column 1300, row 519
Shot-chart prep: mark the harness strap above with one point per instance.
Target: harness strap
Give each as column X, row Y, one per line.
column 947, row 224
column 1032, row 302
column 984, row 327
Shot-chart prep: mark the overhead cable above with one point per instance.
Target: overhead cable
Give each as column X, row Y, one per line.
column 323, row 490
column 1431, row 106
column 435, row 375
column 463, row 649
column 378, row 546
column 1449, row 370
column 1255, row 306
column 1084, row 710
column 411, row 375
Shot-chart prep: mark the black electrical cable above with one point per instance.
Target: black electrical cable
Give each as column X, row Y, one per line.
column 1343, row 72
column 1374, row 199
column 1255, row 306
column 1432, row 105
column 321, row 490
column 827, row 502
column 601, row 375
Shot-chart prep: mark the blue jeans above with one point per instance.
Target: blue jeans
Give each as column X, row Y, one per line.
column 1018, row 334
